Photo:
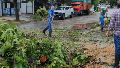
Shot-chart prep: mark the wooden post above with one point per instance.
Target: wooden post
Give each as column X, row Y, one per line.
column 16, row 10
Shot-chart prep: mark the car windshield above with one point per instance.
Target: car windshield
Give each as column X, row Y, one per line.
column 60, row 8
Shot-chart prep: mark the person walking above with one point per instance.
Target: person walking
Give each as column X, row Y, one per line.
column 50, row 20
column 115, row 27
column 104, row 10
column 102, row 22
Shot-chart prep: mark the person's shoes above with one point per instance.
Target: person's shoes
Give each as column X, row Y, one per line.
column 114, row 66
column 102, row 30
column 50, row 36
column 44, row 33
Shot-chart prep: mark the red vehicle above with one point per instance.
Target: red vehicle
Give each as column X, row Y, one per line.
column 81, row 6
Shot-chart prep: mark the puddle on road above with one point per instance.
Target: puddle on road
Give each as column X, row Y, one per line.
column 41, row 25
column 32, row 25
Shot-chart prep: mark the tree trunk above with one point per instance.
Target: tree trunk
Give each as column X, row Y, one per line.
column 14, row 62
column 16, row 10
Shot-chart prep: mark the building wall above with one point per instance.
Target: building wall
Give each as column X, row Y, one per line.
column 24, row 7
column 27, row 7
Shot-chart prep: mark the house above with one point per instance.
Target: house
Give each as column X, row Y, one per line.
column 7, row 7
column 26, row 7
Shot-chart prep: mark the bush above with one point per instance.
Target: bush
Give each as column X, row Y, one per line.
column 20, row 50
column 12, row 45
column 40, row 14
column 107, row 21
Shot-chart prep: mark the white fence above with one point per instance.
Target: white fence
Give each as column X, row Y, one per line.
column 27, row 8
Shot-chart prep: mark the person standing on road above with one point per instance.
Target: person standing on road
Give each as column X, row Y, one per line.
column 115, row 27
column 50, row 20
column 102, row 22
column 104, row 11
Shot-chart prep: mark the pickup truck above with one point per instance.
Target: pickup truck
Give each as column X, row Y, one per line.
column 63, row 12
column 81, row 6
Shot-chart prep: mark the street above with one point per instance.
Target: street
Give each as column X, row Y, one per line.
column 95, row 42
column 59, row 33
column 63, row 24
column 67, row 23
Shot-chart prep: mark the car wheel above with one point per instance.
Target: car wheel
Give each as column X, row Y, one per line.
column 63, row 17
column 87, row 12
column 80, row 13
column 71, row 15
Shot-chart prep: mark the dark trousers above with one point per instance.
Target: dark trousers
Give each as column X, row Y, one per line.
column 117, row 50
column 102, row 27
column 50, row 31
column 117, row 60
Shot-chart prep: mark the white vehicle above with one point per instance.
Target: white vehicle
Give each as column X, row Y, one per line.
column 64, row 12
column 92, row 10
column 103, row 6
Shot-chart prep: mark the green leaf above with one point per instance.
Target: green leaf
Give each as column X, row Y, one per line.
column 75, row 61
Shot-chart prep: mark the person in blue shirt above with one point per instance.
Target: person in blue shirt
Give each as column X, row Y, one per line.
column 102, row 22
column 50, row 20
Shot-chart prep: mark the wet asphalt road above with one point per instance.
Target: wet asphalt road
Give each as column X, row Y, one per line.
column 62, row 24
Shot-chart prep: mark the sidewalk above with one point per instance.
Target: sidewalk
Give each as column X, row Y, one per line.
column 23, row 17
